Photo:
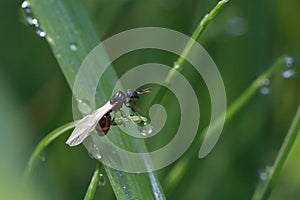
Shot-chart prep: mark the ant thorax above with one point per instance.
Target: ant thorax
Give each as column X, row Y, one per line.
column 119, row 98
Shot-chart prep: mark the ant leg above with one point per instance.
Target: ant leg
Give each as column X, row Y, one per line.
column 133, row 109
column 119, row 113
column 123, row 114
column 113, row 120
column 135, row 112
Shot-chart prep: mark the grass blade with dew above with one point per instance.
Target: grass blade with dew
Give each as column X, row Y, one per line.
column 90, row 193
column 71, row 37
column 178, row 171
column 36, row 155
column 178, row 65
column 265, row 186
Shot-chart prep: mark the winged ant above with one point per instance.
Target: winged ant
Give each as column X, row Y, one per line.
column 101, row 119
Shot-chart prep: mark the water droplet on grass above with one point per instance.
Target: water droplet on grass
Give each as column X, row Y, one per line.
column 25, row 4
column 35, row 22
column 266, row 82
column 31, row 20
column 289, row 61
column 176, row 65
column 265, row 87
column 102, row 180
column 145, row 128
column 96, row 152
column 83, row 106
column 288, row 73
column 40, row 32
column 265, row 90
column 26, row 7
column 73, row 47
column 263, row 176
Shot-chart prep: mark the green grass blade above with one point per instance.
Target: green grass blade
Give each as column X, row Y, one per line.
column 36, row 155
column 264, row 187
column 66, row 25
column 178, row 171
column 178, row 65
column 94, row 183
column 199, row 30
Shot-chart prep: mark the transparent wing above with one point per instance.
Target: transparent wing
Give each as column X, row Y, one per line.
column 87, row 124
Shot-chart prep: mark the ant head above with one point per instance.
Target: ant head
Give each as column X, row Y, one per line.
column 132, row 94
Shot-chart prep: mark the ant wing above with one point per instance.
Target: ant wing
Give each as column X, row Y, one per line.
column 143, row 91
column 87, row 124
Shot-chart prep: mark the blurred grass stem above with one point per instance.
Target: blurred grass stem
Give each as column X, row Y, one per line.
column 36, row 155
column 265, row 186
column 178, row 171
column 199, row 30
column 90, row 193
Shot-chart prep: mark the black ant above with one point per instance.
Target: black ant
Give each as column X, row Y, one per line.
column 86, row 125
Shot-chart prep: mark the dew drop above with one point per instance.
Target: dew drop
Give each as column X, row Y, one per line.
column 265, row 87
column 25, row 4
column 35, row 22
column 288, row 73
column 289, row 61
column 102, row 180
column 263, row 176
column 26, row 7
column 266, row 82
column 98, row 156
column 73, row 47
column 265, row 90
column 176, row 65
column 40, row 32
column 29, row 20
column 96, row 152
column 143, row 123
column 145, row 128
column 83, row 106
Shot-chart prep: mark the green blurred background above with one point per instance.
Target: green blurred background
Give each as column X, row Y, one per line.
column 244, row 39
